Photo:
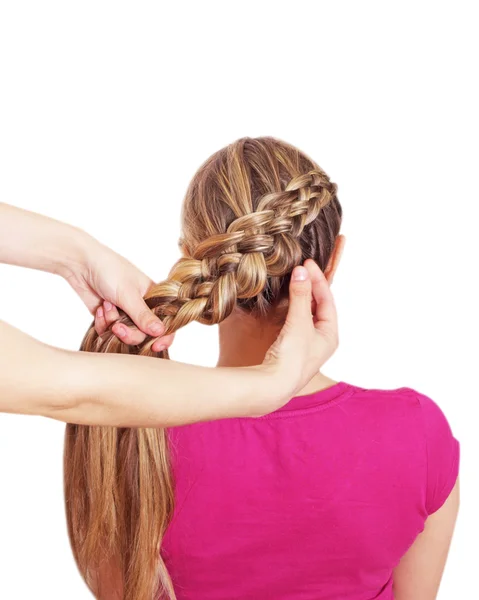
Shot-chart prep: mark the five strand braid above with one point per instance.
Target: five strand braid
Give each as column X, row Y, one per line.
column 232, row 265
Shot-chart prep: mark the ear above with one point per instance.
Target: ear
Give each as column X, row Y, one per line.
column 335, row 258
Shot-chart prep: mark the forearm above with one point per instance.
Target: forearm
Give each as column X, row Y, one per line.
column 121, row 390
column 31, row 240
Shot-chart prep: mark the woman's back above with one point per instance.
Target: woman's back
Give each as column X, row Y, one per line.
column 317, row 501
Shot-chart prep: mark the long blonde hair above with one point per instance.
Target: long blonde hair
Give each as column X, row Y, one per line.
column 252, row 212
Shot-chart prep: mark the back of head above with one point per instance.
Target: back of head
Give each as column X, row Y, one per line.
column 252, row 212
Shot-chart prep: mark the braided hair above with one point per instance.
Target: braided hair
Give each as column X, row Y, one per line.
column 253, row 211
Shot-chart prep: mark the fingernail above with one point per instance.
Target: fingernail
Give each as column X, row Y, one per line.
column 156, row 328
column 99, row 312
column 161, row 348
column 299, row 274
column 121, row 330
column 107, row 305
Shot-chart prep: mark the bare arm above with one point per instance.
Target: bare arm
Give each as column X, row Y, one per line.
column 123, row 390
column 94, row 271
column 34, row 241
column 138, row 391
column 418, row 575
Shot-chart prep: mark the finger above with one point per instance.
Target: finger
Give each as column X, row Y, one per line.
column 299, row 311
column 100, row 323
column 325, row 309
column 111, row 313
column 163, row 343
column 129, row 335
column 136, row 308
column 132, row 336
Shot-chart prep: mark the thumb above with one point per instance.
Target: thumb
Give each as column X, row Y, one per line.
column 138, row 311
column 299, row 311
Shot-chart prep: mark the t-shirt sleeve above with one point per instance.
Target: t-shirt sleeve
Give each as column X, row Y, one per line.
column 442, row 454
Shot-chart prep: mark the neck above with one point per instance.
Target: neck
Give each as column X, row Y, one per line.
column 244, row 341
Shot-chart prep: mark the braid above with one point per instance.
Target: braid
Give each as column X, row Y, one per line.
column 232, row 265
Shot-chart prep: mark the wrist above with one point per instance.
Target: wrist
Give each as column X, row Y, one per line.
column 267, row 392
column 74, row 252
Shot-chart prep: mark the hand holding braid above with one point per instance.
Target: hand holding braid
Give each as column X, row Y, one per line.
column 231, row 266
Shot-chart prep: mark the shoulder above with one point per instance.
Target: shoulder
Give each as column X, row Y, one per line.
column 442, row 450
column 402, row 402
column 418, row 423
column 406, row 400
column 407, row 404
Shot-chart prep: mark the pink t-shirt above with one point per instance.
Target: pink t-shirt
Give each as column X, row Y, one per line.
column 316, row 501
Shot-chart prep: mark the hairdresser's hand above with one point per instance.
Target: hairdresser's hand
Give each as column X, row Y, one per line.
column 310, row 334
column 105, row 280
column 94, row 271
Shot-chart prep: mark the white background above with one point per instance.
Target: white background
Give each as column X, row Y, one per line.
column 106, row 111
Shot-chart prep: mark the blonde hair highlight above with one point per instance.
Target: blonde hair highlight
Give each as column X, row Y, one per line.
column 253, row 211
